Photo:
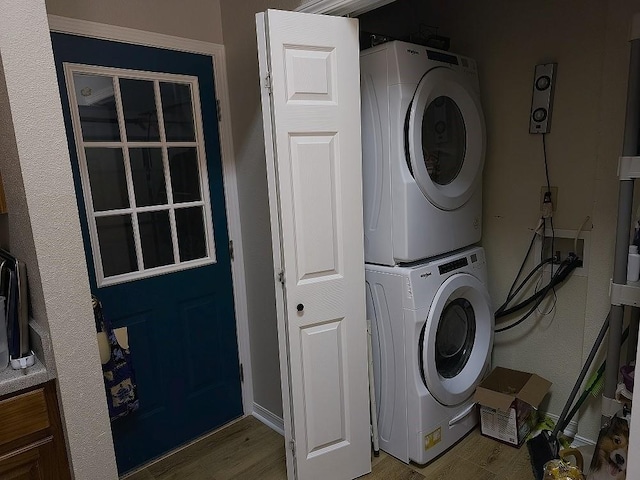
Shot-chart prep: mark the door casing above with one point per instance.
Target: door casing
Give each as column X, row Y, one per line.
column 217, row 53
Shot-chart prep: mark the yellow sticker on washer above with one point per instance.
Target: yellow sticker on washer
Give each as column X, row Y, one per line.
column 433, row 438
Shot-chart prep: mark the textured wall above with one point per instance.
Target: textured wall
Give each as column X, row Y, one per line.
column 238, row 23
column 508, row 38
column 45, row 231
column 193, row 19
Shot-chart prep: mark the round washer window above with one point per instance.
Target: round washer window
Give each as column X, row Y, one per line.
column 444, row 140
column 454, row 338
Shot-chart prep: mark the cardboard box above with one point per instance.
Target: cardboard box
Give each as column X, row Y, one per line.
column 508, row 401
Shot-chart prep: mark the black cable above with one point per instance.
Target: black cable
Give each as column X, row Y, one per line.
column 566, row 267
column 561, row 274
column 522, row 285
column 527, row 315
column 546, row 172
column 531, row 310
column 524, row 261
column 546, row 167
column 553, row 231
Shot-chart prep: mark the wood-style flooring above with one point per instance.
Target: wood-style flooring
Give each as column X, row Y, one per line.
column 249, row 450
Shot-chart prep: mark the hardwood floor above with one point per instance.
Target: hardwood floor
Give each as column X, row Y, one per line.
column 250, row 450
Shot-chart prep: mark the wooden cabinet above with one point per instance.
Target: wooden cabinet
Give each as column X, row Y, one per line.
column 32, row 445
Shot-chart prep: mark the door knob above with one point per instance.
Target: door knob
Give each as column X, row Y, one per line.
column 300, row 307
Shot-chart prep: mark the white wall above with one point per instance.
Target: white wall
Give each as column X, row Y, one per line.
column 194, row 19
column 508, row 38
column 238, row 22
column 45, row 231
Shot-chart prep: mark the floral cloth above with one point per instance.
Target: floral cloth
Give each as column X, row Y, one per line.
column 119, row 379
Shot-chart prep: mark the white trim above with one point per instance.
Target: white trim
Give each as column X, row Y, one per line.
column 580, row 441
column 271, row 420
column 217, row 52
column 341, row 7
column 571, row 430
column 123, row 145
column 85, row 28
column 276, row 241
column 155, row 271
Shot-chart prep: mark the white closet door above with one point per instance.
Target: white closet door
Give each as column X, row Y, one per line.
column 311, row 110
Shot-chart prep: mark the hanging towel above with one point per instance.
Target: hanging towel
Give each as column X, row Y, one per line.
column 119, row 378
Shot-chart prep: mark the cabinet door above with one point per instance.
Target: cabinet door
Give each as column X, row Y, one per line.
column 35, row 462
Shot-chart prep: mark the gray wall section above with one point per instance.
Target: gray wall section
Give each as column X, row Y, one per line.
column 588, row 39
column 238, row 23
column 45, row 231
column 194, row 19
column 16, row 224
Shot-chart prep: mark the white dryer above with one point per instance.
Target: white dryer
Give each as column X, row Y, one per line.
column 423, row 145
column 432, row 335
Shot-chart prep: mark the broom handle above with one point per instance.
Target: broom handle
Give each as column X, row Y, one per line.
column 590, row 388
column 560, row 425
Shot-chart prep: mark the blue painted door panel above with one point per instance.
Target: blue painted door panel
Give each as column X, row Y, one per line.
column 181, row 325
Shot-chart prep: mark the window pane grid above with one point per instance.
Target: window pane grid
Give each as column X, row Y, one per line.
column 201, row 251
column 129, row 176
column 140, row 144
column 204, row 194
column 150, row 208
column 167, row 173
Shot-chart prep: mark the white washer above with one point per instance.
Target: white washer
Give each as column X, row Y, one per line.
column 432, row 335
column 423, row 144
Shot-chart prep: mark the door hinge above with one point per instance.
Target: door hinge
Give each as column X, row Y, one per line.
column 241, row 373
column 281, row 277
column 267, row 83
column 231, row 249
column 218, row 110
column 292, row 447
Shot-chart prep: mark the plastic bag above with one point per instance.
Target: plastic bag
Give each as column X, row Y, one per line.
column 559, row 470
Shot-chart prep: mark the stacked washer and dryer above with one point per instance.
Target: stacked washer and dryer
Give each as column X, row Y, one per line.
column 432, row 323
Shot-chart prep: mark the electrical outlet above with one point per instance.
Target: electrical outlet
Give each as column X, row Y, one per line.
column 554, row 196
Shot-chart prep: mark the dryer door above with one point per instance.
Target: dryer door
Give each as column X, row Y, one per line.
column 456, row 341
column 445, row 138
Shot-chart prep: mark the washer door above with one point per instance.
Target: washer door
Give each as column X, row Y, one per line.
column 445, row 138
column 456, row 339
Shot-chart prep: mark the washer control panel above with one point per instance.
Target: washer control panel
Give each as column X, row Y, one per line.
column 454, row 265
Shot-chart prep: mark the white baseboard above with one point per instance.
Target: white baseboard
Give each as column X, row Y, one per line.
column 571, row 431
column 579, row 441
column 269, row 419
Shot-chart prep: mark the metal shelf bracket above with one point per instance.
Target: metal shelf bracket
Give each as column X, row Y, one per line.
column 625, row 294
column 628, row 168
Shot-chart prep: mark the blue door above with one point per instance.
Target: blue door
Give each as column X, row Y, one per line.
column 142, row 129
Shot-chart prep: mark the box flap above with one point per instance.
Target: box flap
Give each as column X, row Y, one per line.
column 503, row 385
column 490, row 398
column 534, row 390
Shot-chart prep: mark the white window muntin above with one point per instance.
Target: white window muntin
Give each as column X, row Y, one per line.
column 124, row 145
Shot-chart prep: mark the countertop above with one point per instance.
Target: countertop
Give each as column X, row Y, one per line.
column 40, row 372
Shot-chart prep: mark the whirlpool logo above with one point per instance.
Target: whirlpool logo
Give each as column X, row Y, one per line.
column 413, row 52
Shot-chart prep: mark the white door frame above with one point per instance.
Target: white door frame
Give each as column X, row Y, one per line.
column 341, row 7
column 132, row 36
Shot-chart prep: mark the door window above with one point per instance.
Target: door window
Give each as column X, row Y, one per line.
column 455, row 336
column 443, row 140
column 143, row 170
